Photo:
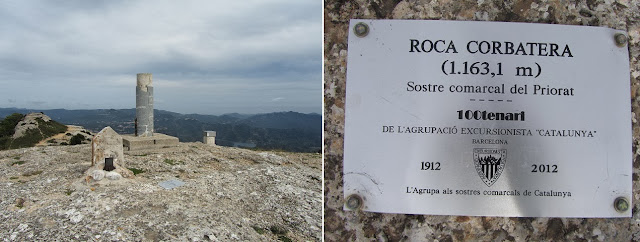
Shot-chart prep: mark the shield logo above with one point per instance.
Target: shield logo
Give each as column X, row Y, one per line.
column 489, row 163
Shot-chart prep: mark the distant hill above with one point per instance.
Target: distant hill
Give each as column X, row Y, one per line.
column 20, row 131
column 288, row 131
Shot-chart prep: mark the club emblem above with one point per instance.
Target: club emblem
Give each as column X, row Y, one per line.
column 489, row 163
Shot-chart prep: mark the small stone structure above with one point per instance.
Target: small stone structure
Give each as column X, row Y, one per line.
column 144, row 138
column 107, row 156
column 209, row 137
column 132, row 143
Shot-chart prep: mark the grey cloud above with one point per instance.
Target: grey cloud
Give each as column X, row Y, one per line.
column 97, row 44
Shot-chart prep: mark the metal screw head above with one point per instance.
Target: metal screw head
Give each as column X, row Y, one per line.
column 361, row 29
column 621, row 204
column 621, row 39
column 353, row 202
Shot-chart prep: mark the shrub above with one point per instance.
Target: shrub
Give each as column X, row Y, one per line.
column 51, row 128
column 7, row 126
column 278, row 230
column 4, row 142
column 136, row 171
column 173, row 162
column 284, row 238
column 30, row 138
column 258, row 229
column 76, row 139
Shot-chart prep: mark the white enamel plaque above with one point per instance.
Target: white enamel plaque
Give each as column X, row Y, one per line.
column 487, row 119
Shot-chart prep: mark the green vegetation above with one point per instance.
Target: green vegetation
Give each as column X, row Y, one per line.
column 290, row 131
column 32, row 173
column 173, row 162
column 13, row 177
column 278, row 230
column 76, row 139
column 31, row 136
column 258, row 229
column 9, row 123
column 51, row 128
column 136, row 171
column 284, row 238
column 68, row 191
column 20, row 162
column 7, row 128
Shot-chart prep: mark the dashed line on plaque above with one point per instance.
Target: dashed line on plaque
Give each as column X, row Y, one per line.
column 490, row 100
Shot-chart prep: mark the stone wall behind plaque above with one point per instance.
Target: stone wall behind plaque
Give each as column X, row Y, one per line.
column 364, row 226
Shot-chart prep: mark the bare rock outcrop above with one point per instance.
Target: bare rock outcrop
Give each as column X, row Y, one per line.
column 30, row 121
column 216, row 194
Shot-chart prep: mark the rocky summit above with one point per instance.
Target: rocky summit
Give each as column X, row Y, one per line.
column 192, row 192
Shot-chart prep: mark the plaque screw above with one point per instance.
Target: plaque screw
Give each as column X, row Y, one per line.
column 621, row 39
column 621, row 204
column 361, row 29
column 354, row 202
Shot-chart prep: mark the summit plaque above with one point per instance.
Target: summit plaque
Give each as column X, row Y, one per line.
column 487, row 119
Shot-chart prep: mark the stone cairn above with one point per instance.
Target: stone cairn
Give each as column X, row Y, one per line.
column 107, row 157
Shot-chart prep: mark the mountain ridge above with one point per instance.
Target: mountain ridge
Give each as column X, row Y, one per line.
column 290, row 131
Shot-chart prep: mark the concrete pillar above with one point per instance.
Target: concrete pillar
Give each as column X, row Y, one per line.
column 144, row 106
column 209, row 137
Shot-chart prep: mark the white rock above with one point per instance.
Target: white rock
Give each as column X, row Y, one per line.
column 211, row 237
column 97, row 175
column 597, row 232
column 23, row 227
column 113, row 175
column 77, row 217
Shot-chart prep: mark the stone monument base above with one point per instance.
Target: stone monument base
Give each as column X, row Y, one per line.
column 157, row 141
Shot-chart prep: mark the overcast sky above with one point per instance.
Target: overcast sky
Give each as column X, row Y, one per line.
column 207, row 57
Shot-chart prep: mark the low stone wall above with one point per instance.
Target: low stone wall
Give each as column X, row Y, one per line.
column 343, row 225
